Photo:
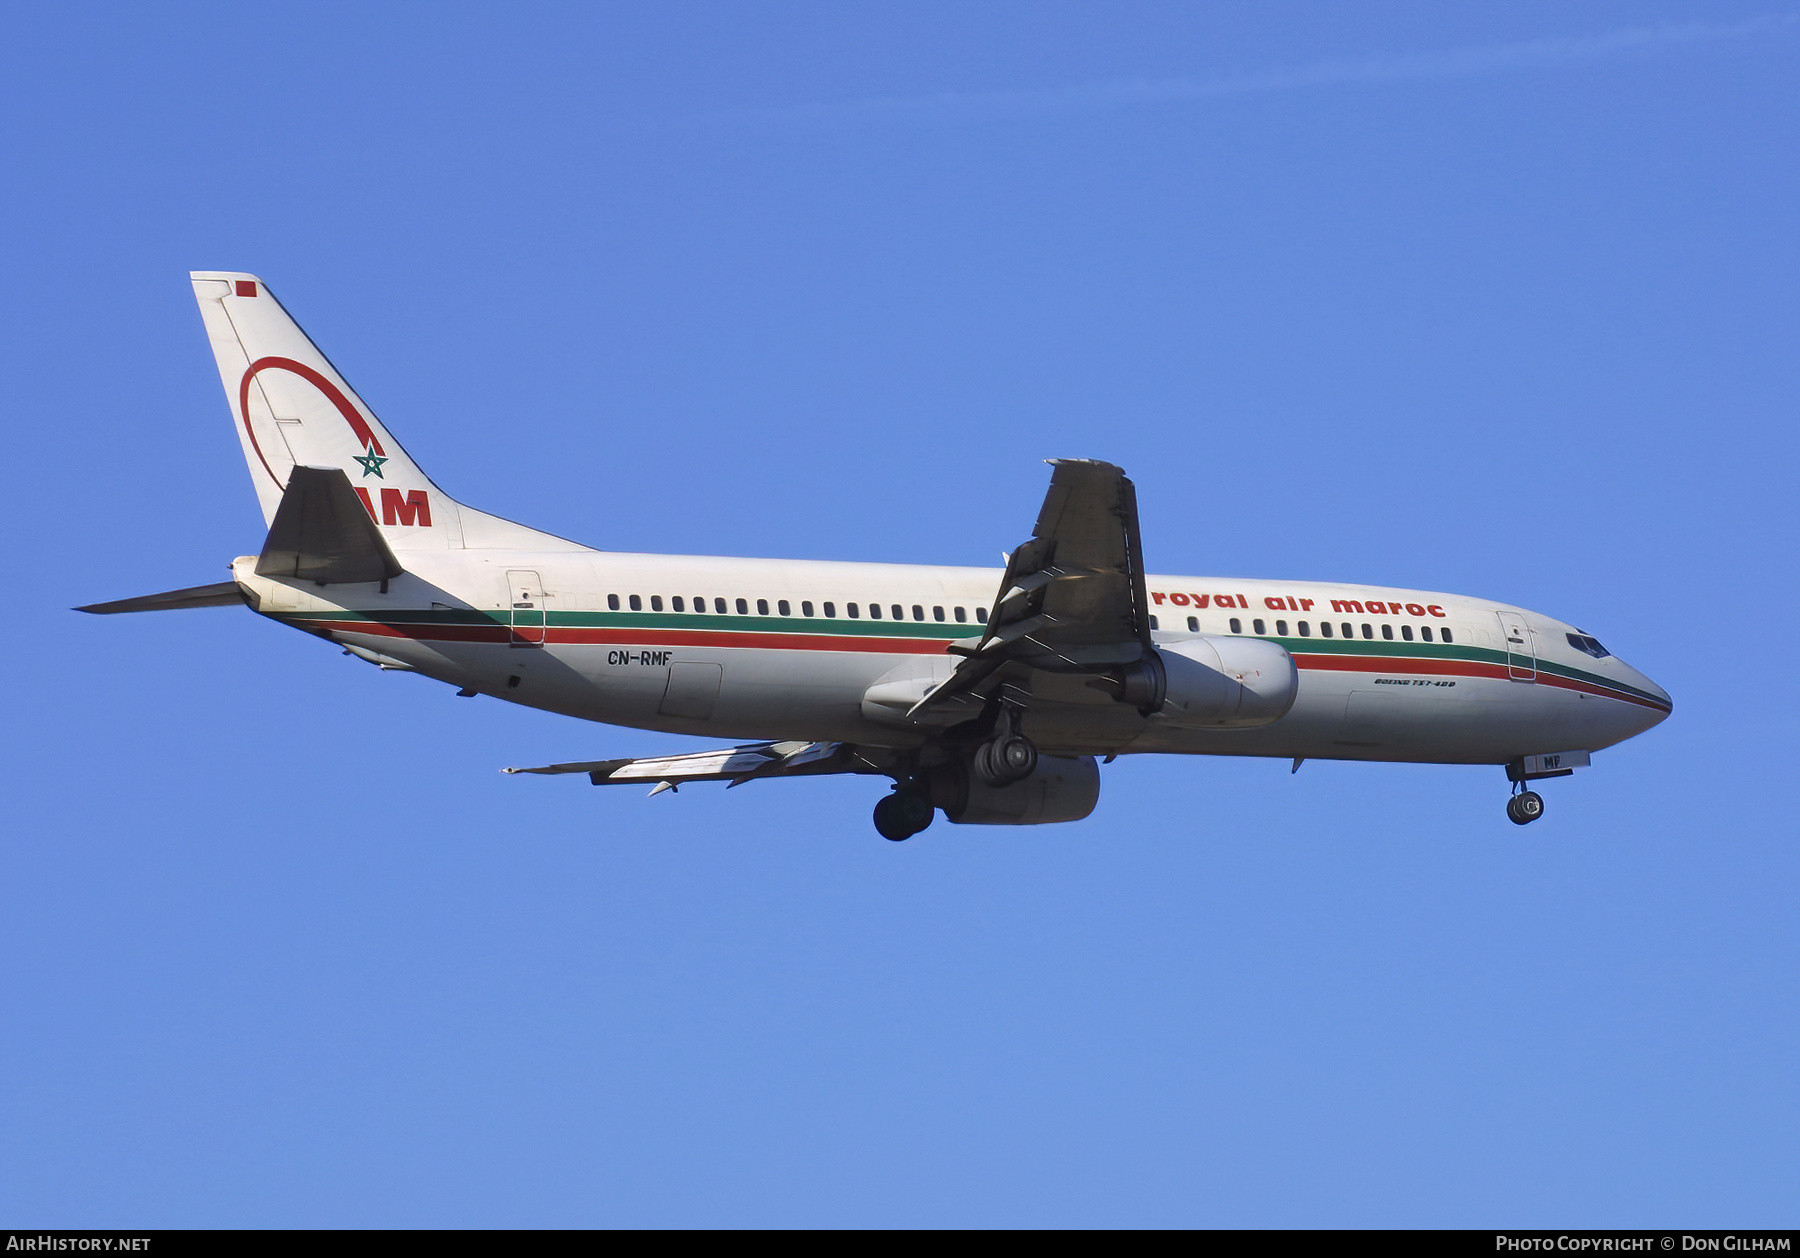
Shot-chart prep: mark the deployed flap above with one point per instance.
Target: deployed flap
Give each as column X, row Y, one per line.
column 1072, row 599
column 219, row 594
column 733, row 764
column 322, row 532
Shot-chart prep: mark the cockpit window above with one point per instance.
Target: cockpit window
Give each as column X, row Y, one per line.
column 1588, row 646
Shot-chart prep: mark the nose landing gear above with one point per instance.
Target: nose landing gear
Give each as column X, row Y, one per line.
column 1524, row 808
column 1526, row 805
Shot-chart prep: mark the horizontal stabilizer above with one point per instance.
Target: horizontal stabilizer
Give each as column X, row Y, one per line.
column 322, row 532
column 219, row 594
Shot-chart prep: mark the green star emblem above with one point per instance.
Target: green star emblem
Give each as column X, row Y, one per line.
column 371, row 463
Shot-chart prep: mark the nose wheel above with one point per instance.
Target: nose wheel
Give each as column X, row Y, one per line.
column 1524, row 808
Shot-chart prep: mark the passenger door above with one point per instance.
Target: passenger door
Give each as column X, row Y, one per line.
column 1521, row 659
column 527, row 608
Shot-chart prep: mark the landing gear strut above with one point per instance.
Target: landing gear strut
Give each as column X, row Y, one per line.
column 1524, row 808
column 1008, row 756
column 903, row 814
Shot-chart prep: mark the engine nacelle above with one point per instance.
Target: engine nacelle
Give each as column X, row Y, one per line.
column 1062, row 788
column 1213, row 682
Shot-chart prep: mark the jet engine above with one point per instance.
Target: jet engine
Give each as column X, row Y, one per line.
column 1061, row 788
column 1213, row 682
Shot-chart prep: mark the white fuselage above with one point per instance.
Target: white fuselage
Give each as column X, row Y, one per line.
column 789, row 649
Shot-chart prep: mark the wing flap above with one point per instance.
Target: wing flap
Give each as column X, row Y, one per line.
column 731, row 764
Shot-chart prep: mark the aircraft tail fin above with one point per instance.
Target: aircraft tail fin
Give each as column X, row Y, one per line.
column 294, row 409
column 292, row 406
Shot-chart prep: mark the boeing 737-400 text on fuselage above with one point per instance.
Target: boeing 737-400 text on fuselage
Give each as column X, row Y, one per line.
column 990, row 696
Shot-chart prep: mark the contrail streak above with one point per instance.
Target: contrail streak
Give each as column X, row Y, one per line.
column 1442, row 64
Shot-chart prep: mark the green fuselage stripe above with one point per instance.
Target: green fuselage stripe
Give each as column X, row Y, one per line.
column 934, row 630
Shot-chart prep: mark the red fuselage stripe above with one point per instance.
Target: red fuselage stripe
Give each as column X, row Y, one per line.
column 643, row 637
column 907, row 646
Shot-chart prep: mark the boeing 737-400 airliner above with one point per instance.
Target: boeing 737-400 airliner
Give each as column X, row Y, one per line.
column 991, row 696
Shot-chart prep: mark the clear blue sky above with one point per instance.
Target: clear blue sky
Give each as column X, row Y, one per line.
column 1498, row 299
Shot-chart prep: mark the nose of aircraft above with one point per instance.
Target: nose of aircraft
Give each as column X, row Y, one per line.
column 1646, row 717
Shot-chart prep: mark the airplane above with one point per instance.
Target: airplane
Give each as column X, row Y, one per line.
column 989, row 696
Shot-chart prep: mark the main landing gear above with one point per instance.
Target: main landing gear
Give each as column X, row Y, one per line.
column 1524, row 808
column 903, row 813
column 1008, row 756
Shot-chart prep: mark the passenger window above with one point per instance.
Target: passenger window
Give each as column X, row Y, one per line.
column 637, row 604
column 1349, row 630
column 1387, row 631
column 850, row 610
column 874, row 611
column 1256, row 626
column 743, row 608
column 719, row 606
column 783, row 608
column 1425, row 633
column 1193, row 624
column 1406, row 632
column 981, row 615
column 1324, row 628
column 656, row 602
column 678, row 604
column 1153, row 623
column 612, row 602
column 1281, row 628
column 1237, row 626
column 1446, row 635
column 830, row 611
column 762, row 607
column 1305, row 630
column 937, row 613
column 1368, row 631
column 805, row 608
column 962, row 616
column 919, row 612
column 899, row 612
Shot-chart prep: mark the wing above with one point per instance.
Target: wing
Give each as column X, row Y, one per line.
column 1072, row 599
column 735, row 765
